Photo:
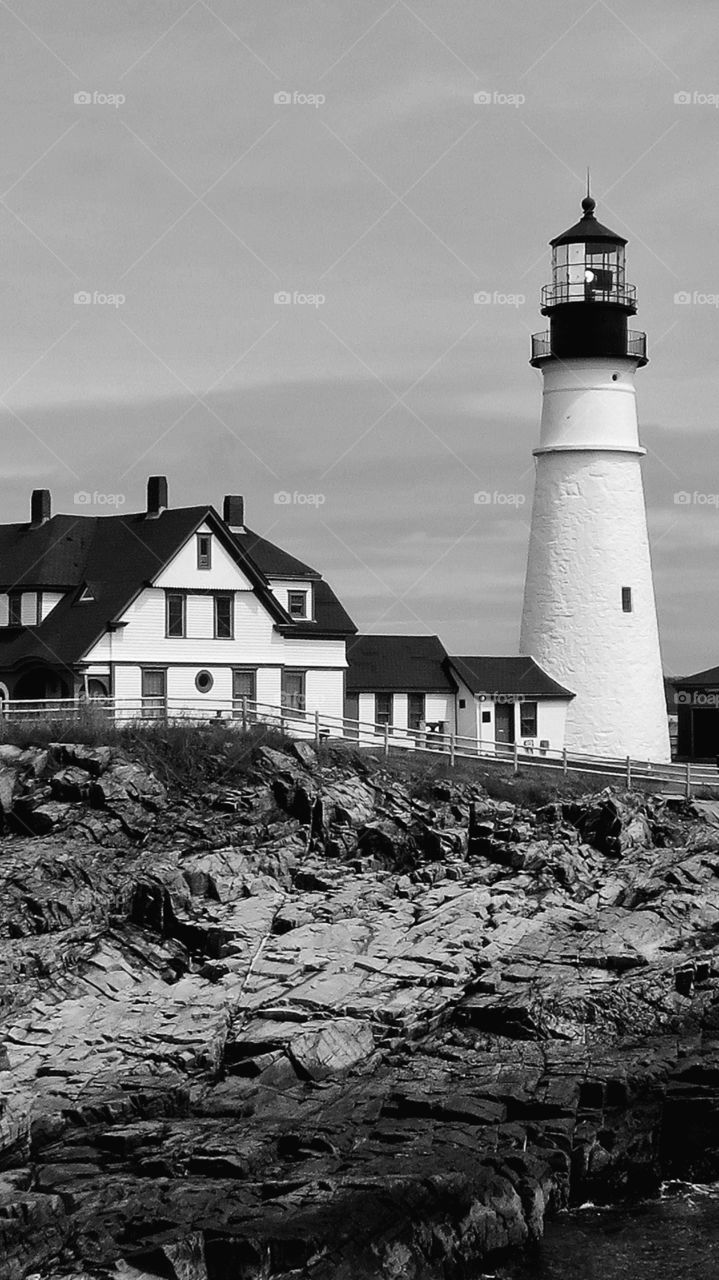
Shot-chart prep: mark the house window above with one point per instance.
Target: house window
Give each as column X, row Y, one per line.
column 175, row 614
column 486, row 717
column 297, row 604
column 154, row 692
column 244, row 690
column 204, row 681
column 528, row 720
column 14, row 609
column 627, row 599
column 223, row 615
column 383, row 708
column 293, row 690
column 415, row 711
column 204, row 550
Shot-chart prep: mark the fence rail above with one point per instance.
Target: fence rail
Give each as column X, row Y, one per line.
column 318, row 725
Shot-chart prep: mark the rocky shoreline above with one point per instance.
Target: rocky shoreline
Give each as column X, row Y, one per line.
column 321, row 1022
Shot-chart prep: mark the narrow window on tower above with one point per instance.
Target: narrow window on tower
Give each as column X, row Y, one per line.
column 627, row 599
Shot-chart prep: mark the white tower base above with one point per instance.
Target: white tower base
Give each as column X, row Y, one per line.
column 589, row 548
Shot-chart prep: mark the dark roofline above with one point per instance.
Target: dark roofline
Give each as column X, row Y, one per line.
column 540, row 683
column 708, row 677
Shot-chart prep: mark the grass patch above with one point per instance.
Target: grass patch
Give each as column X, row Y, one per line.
column 90, row 725
column 529, row 787
column 198, row 757
column 184, row 756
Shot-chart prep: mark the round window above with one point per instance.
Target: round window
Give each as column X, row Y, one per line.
column 203, row 681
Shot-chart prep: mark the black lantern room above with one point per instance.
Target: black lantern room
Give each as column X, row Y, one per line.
column 588, row 301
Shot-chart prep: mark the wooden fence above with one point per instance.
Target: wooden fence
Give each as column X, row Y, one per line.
column 316, row 725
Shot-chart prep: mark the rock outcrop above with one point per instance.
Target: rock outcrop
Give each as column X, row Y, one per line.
column 318, row 1023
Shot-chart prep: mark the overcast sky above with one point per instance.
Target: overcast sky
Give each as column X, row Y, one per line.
column 384, row 192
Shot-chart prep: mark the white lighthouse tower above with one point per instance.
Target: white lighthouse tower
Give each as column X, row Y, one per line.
column 589, row 615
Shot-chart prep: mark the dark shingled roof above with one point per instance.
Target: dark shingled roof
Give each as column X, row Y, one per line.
column 330, row 616
column 272, row 560
column 508, row 675
column 397, row 664
column 587, row 229
column 116, row 556
column 708, row 679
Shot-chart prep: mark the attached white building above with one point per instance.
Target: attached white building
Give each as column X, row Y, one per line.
column 411, row 685
column 165, row 607
column 401, row 682
column 510, row 700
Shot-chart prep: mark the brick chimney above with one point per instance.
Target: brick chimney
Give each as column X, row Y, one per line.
column 40, row 507
column 157, row 500
column 233, row 511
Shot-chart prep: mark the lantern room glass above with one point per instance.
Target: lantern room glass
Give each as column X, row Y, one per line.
column 588, row 271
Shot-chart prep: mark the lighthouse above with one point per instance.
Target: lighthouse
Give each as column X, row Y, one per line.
column 589, row 616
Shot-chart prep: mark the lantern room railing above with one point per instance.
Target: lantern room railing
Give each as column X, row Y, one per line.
column 553, row 295
column 636, row 346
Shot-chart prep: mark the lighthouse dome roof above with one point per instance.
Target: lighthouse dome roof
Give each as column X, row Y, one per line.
column 587, row 228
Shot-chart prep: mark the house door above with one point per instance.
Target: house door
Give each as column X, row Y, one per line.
column 154, row 691
column 244, row 693
column 504, row 725
column 352, row 713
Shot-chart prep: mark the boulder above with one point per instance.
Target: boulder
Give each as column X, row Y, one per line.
column 331, row 1049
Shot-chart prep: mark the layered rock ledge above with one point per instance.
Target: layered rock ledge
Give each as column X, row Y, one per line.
column 320, row 1022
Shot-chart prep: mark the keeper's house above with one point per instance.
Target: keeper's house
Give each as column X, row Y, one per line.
column 165, row 607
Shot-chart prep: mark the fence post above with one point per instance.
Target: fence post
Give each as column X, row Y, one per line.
column 452, row 748
column 317, row 728
column 386, row 740
column 516, row 757
column 564, row 760
column 629, row 771
column 244, row 713
column 688, row 782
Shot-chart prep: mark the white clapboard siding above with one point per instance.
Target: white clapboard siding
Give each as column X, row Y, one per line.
column 143, row 639
column 281, row 588
column 269, row 685
column 181, row 684
column 324, row 692
column 127, row 683
column 182, row 572
column 551, row 721
column 313, row 653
